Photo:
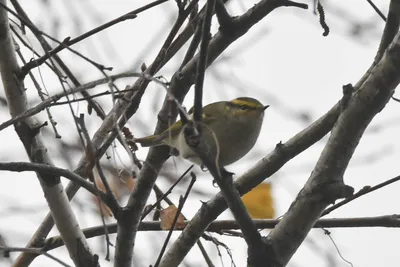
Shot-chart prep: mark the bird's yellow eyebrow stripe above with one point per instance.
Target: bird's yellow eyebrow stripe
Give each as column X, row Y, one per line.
column 240, row 102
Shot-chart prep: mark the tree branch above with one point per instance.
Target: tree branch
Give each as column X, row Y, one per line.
column 224, row 19
column 43, row 168
column 202, row 62
column 365, row 190
column 180, row 84
column 389, row 221
column 69, row 42
column 325, row 184
column 7, row 250
column 130, row 216
column 28, row 131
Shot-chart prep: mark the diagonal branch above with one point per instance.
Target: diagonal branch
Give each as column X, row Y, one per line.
column 224, row 19
column 69, row 42
column 28, row 132
column 365, row 190
column 325, row 184
column 180, row 84
column 107, row 132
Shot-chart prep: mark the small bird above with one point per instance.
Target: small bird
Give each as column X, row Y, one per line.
column 231, row 129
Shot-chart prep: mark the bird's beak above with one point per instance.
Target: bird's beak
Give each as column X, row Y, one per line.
column 265, row 107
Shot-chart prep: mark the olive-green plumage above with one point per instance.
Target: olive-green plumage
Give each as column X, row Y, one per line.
column 231, row 130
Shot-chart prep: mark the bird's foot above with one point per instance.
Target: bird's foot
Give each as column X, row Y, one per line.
column 174, row 152
column 203, row 168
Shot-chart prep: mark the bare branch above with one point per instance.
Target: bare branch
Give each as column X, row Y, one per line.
column 391, row 29
column 180, row 84
column 47, row 169
column 69, row 42
column 48, row 101
column 325, row 184
column 28, row 132
column 106, row 134
column 46, row 47
column 224, row 19
column 376, row 9
column 130, row 217
column 365, row 190
column 220, row 226
column 202, row 62
column 164, row 195
column 182, row 201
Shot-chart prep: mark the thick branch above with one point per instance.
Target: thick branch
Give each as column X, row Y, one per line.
column 106, row 134
column 180, row 84
column 130, row 216
column 29, row 133
column 325, row 184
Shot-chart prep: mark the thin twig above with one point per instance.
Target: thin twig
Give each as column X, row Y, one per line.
column 164, row 195
column 202, row 63
column 25, row 43
column 95, row 161
column 365, row 190
column 68, row 42
column 46, row 47
column 376, row 9
column 395, row 99
column 192, row 47
column 102, row 140
column 41, row 95
column 159, row 193
column 182, row 201
column 48, row 102
column 43, row 168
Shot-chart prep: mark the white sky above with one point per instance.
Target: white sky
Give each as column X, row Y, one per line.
column 284, row 61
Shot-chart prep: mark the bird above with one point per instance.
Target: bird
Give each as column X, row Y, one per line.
column 231, row 129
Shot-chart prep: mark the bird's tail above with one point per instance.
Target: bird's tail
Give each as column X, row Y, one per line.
column 152, row 140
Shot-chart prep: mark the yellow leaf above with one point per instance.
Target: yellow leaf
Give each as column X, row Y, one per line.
column 259, row 202
column 167, row 218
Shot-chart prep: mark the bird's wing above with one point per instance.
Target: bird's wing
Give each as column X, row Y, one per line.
column 177, row 126
column 151, row 140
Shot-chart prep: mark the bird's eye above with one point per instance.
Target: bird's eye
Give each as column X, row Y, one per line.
column 243, row 107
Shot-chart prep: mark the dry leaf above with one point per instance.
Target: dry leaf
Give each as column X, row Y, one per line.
column 167, row 218
column 259, row 202
column 103, row 208
column 121, row 185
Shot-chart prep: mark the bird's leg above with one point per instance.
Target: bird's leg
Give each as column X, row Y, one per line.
column 225, row 172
